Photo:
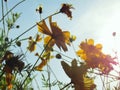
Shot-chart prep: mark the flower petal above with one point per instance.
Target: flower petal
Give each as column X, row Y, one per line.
column 57, row 35
column 32, row 46
column 90, row 42
column 42, row 27
column 41, row 65
column 38, row 38
column 67, row 37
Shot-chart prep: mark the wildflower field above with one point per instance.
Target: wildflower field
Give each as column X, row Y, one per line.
column 29, row 52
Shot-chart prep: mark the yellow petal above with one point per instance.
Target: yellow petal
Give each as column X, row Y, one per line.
column 9, row 87
column 42, row 27
column 56, row 31
column 90, row 42
column 32, row 46
column 88, row 83
column 79, row 52
column 38, row 38
column 41, row 65
column 67, row 37
column 72, row 38
column 47, row 39
column 98, row 46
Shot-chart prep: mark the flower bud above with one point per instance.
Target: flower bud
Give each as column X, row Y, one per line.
column 58, row 56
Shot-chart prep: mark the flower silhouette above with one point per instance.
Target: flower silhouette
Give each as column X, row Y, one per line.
column 66, row 9
column 59, row 37
column 94, row 58
column 78, row 75
column 12, row 63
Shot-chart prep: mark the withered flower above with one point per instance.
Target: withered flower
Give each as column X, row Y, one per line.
column 11, row 63
column 66, row 9
column 39, row 9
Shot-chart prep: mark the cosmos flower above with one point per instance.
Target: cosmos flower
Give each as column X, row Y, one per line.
column 45, row 58
column 32, row 43
column 12, row 63
column 78, row 76
column 58, row 37
column 94, row 58
column 41, row 65
column 66, row 9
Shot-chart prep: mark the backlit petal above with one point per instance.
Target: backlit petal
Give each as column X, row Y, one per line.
column 42, row 27
column 90, row 42
column 67, row 37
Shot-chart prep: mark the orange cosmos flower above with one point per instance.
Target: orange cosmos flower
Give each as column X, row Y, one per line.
column 94, row 58
column 44, row 60
column 59, row 37
column 41, row 65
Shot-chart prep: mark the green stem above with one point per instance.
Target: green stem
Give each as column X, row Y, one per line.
column 54, row 75
column 23, row 39
column 48, row 77
column 2, row 74
column 75, row 52
column 66, row 86
column 63, row 54
column 36, row 62
column 3, row 16
column 11, row 9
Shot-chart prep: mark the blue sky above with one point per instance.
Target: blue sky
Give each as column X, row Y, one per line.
column 96, row 19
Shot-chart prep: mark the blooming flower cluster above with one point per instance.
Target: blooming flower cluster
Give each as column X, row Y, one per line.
column 79, row 71
column 94, row 57
column 12, row 63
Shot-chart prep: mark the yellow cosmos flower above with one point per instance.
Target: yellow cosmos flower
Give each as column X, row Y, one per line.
column 41, row 65
column 59, row 37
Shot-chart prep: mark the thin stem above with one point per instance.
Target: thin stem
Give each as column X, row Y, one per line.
column 54, row 75
column 2, row 74
column 3, row 16
column 48, row 77
column 66, row 86
column 23, row 39
column 36, row 62
column 11, row 9
column 7, row 18
column 103, row 87
column 75, row 52
column 27, row 63
column 33, row 26
column 40, row 17
column 37, row 84
column 63, row 54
